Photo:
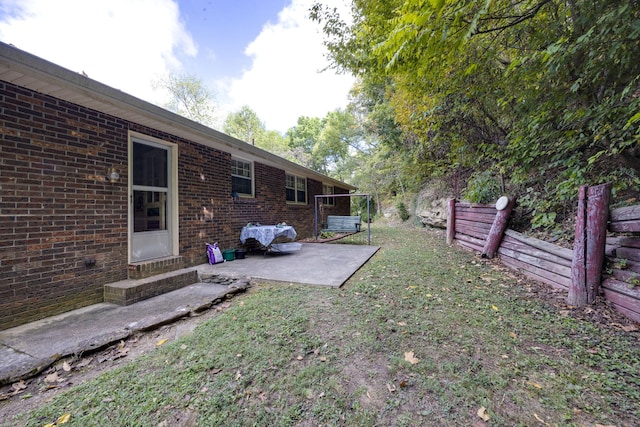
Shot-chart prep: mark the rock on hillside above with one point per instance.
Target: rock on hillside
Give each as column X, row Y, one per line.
column 431, row 208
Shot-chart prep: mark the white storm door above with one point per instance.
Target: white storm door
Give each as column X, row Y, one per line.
column 151, row 201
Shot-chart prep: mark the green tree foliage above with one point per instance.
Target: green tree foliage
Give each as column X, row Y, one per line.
column 190, row 97
column 245, row 125
column 324, row 145
column 542, row 92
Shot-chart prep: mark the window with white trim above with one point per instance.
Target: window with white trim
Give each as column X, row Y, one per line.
column 296, row 188
column 328, row 189
column 242, row 177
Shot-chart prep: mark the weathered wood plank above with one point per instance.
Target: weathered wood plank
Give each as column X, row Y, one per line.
column 470, row 246
column 625, row 214
column 622, row 287
column 546, row 265
column 451, row 221
column 510, row 243
column 476, row 205
column 474, row 224
column 541, row 244
column 497, row 229
column 476, row 216
column 470, row 241
column 598, row 198
column 629, row 265
column 536, row 273
column 627, row 305
column 625, row 226
column 470, row 231
column 633, row 315
column 578, row 295
column 629, row 241
column 627, row 276
column 632, row 254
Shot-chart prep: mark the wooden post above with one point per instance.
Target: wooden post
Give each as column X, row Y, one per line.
column 498, row 227
column 451, row 221
column 598, row 198
column 578, row 288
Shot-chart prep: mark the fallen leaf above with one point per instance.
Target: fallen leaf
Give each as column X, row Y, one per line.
column 323, row 359
column 410, row 357
column 62, row 419
column 162, row 341
column 299, row 358
column 403, row 384
column 532, row 384
column 482, row 413
column 630, row 328
column 602, row 425
column 238, row 375
column 18, row 387
column 391, row 387
column 494, row 307
column 183, row 347
column 402, row 323
column 513, row 335
column 51, row 378
column 66, row 367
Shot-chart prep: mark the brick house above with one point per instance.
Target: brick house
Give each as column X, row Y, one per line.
column 99, row 187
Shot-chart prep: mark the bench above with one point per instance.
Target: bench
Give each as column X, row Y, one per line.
column 342, row 224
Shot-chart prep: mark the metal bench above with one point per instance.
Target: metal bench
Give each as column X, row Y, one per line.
column 342, row 224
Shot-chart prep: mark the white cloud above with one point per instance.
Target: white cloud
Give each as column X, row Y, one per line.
column 284, row 81
column 122, row 43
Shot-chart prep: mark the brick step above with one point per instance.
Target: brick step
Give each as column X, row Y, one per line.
column 127, row 292
column 142, row 269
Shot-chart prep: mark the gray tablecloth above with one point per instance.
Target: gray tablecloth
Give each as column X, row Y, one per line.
column 265, row 234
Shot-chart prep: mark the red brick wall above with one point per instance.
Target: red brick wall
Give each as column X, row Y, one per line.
column 56, row 210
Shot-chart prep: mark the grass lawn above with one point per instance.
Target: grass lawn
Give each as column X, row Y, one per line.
column 422, row 335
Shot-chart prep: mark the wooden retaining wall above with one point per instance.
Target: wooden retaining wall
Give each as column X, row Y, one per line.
column 470, row 225
column 537, row 259
column 621, row 284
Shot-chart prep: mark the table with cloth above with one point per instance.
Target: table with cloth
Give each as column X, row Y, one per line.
column 266, row 234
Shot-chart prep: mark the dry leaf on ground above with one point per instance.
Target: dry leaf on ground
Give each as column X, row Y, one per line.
column 410, row 357
column 482, row 413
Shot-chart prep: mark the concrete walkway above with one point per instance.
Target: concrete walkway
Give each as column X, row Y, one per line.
column 315, row 264
column 29, row 349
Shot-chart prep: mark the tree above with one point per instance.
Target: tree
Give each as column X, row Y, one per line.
column 190, row 97
column 543, row 92
column 244, row 124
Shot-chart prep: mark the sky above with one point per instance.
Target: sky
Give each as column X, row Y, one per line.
column 266, row 54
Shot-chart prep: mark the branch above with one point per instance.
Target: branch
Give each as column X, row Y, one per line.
column 516, row 19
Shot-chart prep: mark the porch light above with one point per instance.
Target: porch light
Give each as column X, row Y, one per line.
column 112, row 175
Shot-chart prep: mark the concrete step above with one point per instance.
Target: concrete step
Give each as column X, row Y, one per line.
column 127, row 292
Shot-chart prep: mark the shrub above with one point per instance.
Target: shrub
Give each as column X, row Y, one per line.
column 402, row 211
